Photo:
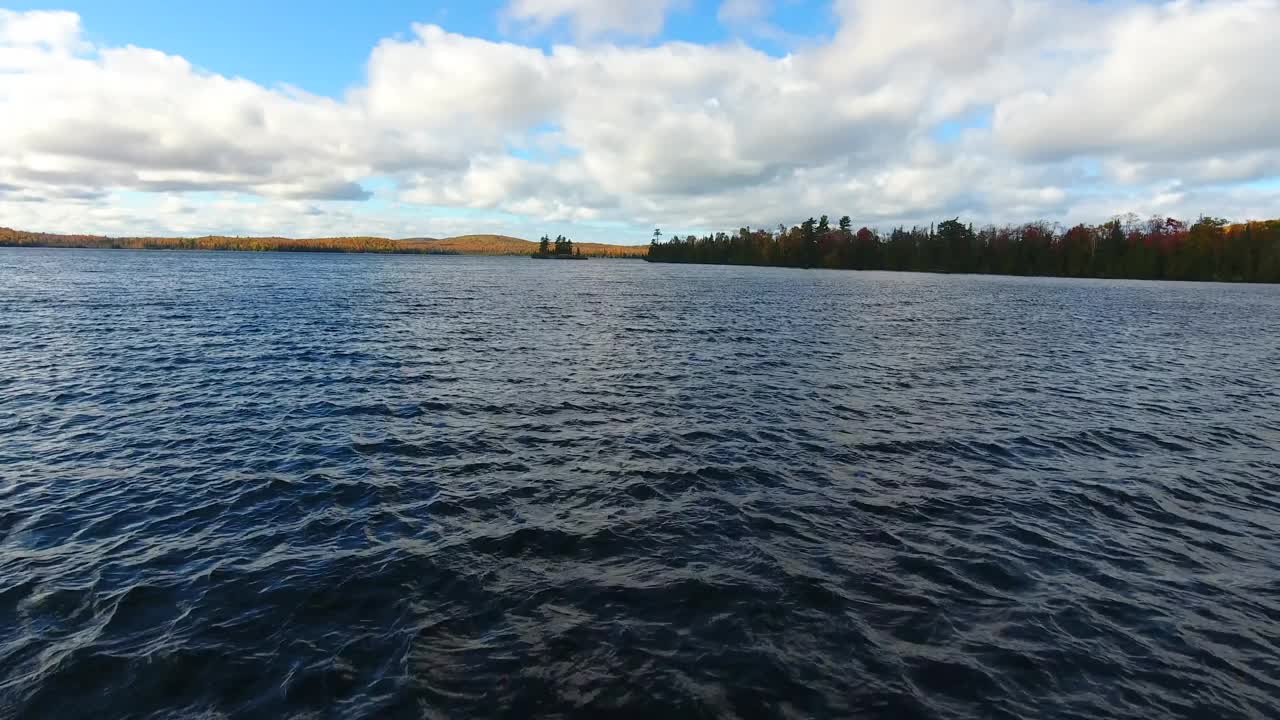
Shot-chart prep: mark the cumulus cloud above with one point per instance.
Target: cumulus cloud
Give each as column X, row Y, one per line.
column 54, row 30
column 589, row 18
column 939, row 34
column 1179, row 80
column 139, row 119
column 1065, row 108
column 443, row 82
column 738, row 12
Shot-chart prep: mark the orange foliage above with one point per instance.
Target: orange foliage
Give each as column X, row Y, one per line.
column 465, row 245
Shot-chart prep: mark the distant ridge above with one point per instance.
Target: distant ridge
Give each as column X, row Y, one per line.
column 462, row 245
column 505, row 245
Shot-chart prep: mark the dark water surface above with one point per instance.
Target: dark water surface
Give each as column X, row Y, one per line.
column 313, row 486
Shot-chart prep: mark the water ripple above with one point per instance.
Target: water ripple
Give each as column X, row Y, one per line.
column 342, row 486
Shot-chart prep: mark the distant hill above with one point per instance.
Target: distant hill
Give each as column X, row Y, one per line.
column 463, row 245
column 504, row 245
column 483, row 245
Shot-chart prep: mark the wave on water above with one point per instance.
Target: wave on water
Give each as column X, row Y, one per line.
column 345, row 486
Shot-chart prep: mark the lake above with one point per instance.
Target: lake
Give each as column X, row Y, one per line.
column 294, row 486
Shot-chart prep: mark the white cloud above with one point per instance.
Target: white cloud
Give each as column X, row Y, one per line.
column 440, row 81
column 1093, row 108
column 56, row 30
column 590, row 18
column 740, row 12
column 1179, row 80
column 131, row 118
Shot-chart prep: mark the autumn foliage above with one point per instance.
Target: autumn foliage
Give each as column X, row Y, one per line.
column 1155, row 249
column 465, row 245
column 502, row 245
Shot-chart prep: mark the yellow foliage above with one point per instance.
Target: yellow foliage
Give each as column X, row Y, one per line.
column 464, row 245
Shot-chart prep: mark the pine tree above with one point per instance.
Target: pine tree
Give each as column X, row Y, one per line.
column 809, row 243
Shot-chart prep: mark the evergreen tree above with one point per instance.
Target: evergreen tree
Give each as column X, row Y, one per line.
column 808, row 243
column 956, row 243
column 1113, row 250
column 1161, row 248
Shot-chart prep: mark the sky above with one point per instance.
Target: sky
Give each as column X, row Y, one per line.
column 602, row 119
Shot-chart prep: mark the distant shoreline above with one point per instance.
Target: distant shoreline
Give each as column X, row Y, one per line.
column 472, row 245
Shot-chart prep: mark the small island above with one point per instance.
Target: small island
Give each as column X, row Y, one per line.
column 562, row 249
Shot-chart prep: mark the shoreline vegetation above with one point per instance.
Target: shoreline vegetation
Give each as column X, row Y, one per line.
column 564, row 249
column 1127, row 247
column 488, row 245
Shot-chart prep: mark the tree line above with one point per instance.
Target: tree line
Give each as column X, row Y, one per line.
column 563, row 248
column 16, row 238
column 1126, row 247
column 464, row 245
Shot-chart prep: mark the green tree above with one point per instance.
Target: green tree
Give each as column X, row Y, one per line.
column 956, row 241
column 808, row 243
column 1113, row 248
column 1159, row 248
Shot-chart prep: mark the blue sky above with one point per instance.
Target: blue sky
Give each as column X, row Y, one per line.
column 321, row 46
column 431, row 119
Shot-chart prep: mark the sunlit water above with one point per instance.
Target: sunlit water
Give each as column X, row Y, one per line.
column 271, row 485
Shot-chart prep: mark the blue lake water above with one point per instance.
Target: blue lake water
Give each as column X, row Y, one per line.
column 312, row 486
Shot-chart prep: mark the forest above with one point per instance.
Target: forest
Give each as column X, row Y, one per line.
column 1156, row 249
column 15, row 238
column 463, row 245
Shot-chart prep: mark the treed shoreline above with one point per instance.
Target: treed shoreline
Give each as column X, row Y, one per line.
column 1209, row 249
column 484, row 245
column 1124, row 248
